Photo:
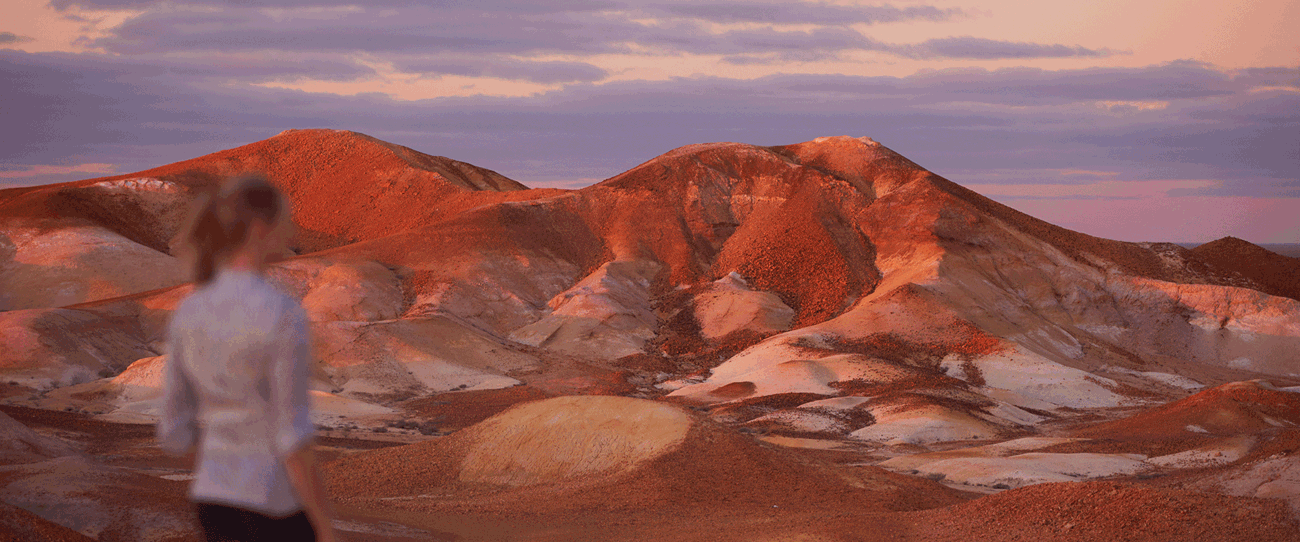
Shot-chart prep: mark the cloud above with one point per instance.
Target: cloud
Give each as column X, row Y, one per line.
column 1002, row 127
column 744, row 32
column 718, row 12
column 804, row 13
column 225, row 66
column 18, row 172
column 1259, row 220
column 1171, row 81
column 487, row 6
column 450, row 31
column 504, row 68
column 1108, row 189
column 1270, row 77
column 9, row 37
column 15, row 175
column 988, row 49
column 1018, row 86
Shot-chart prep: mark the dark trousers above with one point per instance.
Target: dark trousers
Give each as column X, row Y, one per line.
column 229, row 524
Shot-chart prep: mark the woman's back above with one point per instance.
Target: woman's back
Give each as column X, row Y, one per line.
column 239, row 353
column 232, row 325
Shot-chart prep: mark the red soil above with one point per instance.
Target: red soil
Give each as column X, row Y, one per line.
column 744, row 410
column 1109, row 512
column 456, row 410
column 1230, row 409
column 1275, row 443
column 796, row 252
column 97, row 437
column 960, row 338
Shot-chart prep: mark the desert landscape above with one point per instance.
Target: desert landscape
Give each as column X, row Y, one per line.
column 821, row 341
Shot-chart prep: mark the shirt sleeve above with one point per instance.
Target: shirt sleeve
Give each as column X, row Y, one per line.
column 290, row 371
column 177, row 426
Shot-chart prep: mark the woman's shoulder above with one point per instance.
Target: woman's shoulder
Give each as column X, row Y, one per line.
column 286, row 307
column 246, row 295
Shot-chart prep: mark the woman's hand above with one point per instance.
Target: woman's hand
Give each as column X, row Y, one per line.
column 306, row 480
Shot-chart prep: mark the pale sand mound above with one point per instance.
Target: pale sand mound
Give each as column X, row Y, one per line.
column 1106, row 512
column 1002, row 449
column 328, row 408
column 134, row 396
column 412, row 356
column 798, row 374
column 142, row 380
column 925, row 424
column 611, row 453
column 46, row 348
column 76, row 263
column 1033, row 468
column 1219, row 452
column 605, row 315
column 568, row 438
column 1271, row 469
column 553, row 441
column 353, row 291
column 1033, row 380
column 729, row 305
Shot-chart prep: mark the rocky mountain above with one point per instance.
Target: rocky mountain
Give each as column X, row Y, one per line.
column 835, row 257
column 824, row 294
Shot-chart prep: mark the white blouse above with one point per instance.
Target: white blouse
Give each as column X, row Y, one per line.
column 235, row 386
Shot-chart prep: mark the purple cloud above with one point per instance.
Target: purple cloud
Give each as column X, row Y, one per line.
column 523, row 30
column 987, row 49
column 1270, row 77
column 505, row 68
column 512, row 6
column 804, row 13
column 10, row 37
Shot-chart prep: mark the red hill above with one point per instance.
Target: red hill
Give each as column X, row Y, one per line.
column 1274, row 273
column 344, row 186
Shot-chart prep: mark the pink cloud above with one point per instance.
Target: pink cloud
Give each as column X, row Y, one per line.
column 1176, row 219
column 40, row 170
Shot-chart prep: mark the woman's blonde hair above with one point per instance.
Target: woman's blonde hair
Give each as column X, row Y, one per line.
column 220, row 220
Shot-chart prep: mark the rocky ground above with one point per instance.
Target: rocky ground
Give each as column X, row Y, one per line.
column 526, row 464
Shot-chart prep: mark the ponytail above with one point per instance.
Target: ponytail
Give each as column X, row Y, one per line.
column 220, row 221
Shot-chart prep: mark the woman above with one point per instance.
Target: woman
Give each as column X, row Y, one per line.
column 235, row 383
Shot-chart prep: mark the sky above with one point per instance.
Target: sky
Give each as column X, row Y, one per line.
column 1159, row 120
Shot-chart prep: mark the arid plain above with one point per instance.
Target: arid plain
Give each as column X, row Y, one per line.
column 814, row 342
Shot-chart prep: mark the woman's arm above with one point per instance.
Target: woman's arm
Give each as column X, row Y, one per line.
column 306, row 480
column 177, row 426
column 289, row 375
